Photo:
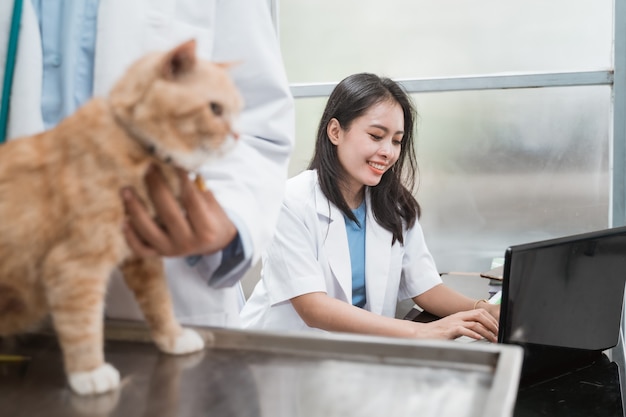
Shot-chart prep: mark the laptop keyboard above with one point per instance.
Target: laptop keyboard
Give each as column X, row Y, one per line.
column 467, row 339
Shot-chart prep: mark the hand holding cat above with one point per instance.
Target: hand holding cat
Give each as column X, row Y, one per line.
column 198, row 225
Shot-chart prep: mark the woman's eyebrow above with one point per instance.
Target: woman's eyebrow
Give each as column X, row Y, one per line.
column 381, row 127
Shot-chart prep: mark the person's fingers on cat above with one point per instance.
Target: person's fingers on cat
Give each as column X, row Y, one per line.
column 181, row 224
column 138, row 247
column 199, row 215
column 142, row 224
column 211, row 226
column 200, row 227
column 178, row 234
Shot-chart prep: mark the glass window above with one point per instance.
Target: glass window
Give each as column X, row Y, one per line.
column 511, row 166
column 500, row 167
column 497, row 167
column 326, row 40
column 308, row 114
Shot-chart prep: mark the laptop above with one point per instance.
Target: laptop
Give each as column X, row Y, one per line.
column 562, row 300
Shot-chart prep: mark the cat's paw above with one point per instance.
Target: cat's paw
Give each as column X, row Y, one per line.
column 102, row 379
column 186, row 342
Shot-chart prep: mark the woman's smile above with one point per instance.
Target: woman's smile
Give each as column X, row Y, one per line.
column 377, row 168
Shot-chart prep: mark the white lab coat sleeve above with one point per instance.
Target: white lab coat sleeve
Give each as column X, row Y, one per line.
column 419, row 272
column 249, row 182
column 290, row 266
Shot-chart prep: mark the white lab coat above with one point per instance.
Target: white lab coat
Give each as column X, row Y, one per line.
column 249, row 182
column 310, row 253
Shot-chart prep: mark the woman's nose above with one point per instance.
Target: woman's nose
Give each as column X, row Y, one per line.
column 385, row 149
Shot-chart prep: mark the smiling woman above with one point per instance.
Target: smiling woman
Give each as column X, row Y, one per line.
column 348, row 244
column 368, row 120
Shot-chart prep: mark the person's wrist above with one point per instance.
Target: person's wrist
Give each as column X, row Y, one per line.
column 233, row 233
column 233, row 248
column 415, row 330
column 228, row 241
column 478, row 302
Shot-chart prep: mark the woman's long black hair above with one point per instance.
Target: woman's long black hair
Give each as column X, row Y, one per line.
column 393, row 203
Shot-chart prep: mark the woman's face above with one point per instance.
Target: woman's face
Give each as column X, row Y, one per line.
column 368, row 147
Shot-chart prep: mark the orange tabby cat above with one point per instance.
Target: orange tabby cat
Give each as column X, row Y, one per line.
column 61, row 215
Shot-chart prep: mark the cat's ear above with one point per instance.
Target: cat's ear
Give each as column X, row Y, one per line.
column 179, row 60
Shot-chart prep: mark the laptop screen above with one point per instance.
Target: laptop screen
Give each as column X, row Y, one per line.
column 565, row 292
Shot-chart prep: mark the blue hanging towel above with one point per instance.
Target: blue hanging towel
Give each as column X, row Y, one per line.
column 9, row 68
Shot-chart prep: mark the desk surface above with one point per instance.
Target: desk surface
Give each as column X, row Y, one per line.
column 256, row 374
column 593, row 390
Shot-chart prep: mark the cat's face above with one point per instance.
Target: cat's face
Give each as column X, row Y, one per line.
column 179, row 107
